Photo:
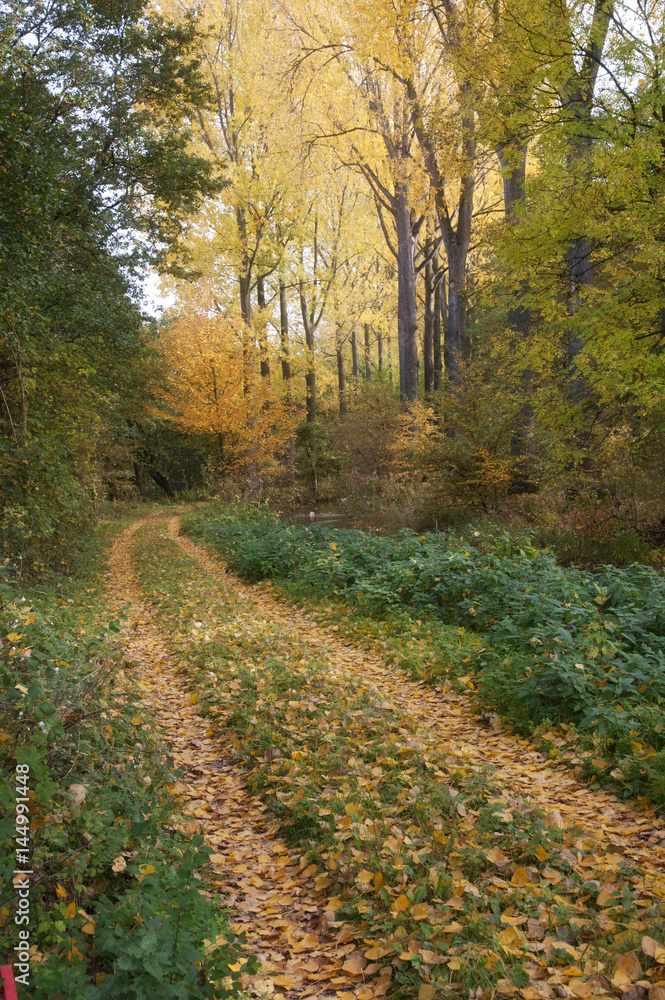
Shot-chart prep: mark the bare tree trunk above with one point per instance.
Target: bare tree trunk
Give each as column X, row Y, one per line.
column 341, row 377
column 262, row 331
column 379, row 344
column 368, row 357
column 354, row 359
column 310, row 373
column 137, row 479
column 456, row 338
column 407, row 317
column 284, row 332
column 428, row 333
column 439, row 305
column 391, row 367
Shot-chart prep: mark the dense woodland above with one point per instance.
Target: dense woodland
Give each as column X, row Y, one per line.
column 414, row 253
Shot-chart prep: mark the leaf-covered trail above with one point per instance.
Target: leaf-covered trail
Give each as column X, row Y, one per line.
column 259, row 877
column 303, row 938
column 617, row 828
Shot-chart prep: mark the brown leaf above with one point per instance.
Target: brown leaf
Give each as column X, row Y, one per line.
column 653, row 949
column 627, row 969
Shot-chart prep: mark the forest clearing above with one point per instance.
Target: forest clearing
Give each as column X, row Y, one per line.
column 332, row 499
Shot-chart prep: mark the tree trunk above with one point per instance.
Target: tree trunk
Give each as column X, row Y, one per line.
column 368, row 359
column 137, row 479
column 456, row 333
column 161, row 481
column 310, row 373
column 407, row 317
column 428, row 334
column 341, row 378
column 439, row 306
column 379, row 344
column 263, row 334
column 284, row 332
column 354, row 359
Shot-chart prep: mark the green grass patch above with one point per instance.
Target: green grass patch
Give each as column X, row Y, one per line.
column 114, row 908
column 547, row 645
column 417, row 844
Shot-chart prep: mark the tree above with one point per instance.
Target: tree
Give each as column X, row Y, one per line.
column 98, row 178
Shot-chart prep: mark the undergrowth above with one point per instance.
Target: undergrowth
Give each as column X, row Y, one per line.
column 439, row 865
column 546, row 644
column 113, row 906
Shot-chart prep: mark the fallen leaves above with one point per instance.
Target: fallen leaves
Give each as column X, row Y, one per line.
column 380, row 862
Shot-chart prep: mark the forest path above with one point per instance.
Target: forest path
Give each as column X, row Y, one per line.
column 270, row 887
column 618, row 827
column 255, row 872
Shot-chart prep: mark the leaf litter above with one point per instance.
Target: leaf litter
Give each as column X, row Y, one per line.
column 446, row 904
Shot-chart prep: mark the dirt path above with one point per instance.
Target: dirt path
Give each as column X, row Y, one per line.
column 616, row 827
column 259, row 878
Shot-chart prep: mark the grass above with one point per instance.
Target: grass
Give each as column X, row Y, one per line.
column 576, row 655
column 402, row 838
column 113, row 908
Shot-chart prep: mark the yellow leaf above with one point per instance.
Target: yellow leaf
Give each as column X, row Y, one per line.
column 147, row 869
column 419, row 911
column 378, row 881
column 310, row 870
column 136, row 721
column 555, row 819
column 401, row 903
column 333, row 547
column 426, row 992
column 364, row 877
column 496, row 856
column 61, row 892
column 605, row 895
column 454, row 964
column 541, row 853
column 520, row 877
column 88, row 928
column 14, row 636
column 193, row 698
column 322, row 882
column 4, row 737
column 70, row 912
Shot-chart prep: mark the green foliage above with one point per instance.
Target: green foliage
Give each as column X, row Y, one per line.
column 95, row 187
column 71, row 713
column 558, row 644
